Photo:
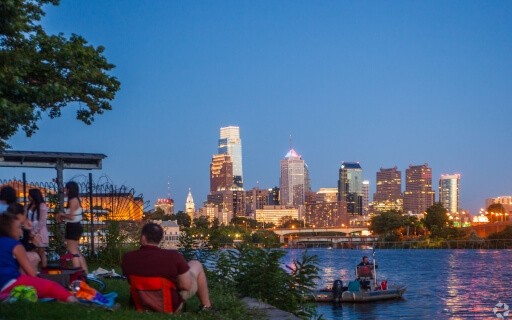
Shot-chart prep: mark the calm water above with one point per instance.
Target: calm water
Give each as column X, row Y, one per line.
column 441, row 284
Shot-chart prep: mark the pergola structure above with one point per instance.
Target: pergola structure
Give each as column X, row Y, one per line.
column 57, row 160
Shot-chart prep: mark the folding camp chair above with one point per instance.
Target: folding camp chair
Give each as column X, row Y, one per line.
column 152, row 293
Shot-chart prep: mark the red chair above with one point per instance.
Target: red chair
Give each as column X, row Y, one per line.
column 152, row 293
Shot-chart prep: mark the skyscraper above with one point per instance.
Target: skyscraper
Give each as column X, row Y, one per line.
column 366, row 196
column 449, row 192
column 221, row 173
column 231, row 144
column 294, row 180
column 418, row 195
column 388, row 194
column 323, row 209
column 350, row 186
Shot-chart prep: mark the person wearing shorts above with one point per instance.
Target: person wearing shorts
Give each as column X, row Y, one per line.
column 73, row 218
column 152, row 261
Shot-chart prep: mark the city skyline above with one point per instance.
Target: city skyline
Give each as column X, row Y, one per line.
column 383, row 84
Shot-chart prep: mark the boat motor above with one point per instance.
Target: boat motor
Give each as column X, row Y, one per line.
column 337, row 290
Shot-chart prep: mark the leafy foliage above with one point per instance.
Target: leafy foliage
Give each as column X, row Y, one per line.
column 118, row 240
column 257, row 273
column 182, row 219
column 496, row 212
column 56, row 229
column 387, row 222
column 267, row 238
column 41, row 73
column 292, row 223
column 436, row 220
column 506, row 234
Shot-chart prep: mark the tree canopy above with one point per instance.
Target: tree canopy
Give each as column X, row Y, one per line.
column 436, row 219
column 496, row 212
column 41, row 73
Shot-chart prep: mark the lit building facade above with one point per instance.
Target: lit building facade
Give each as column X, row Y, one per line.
column 232, row 201
column 113, row 204
column 350, row 187
column 276, row 214
column 221, row 173
column 190, row 207
column 449, row 192
column 323, row 209
column 418, row 194
column 273, row 196
column 255, row 199
column 166, row 205
column 388, row 193
column 231, row 144
column 294, row 180
column 171, row 238
column 505, row 201
column 366, row 196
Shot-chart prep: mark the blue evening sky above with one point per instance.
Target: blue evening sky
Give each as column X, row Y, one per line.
column 385, row 83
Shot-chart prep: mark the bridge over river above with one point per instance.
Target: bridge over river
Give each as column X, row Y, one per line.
column 332, row 236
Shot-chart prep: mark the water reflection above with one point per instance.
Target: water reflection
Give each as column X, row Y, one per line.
column 441, row 284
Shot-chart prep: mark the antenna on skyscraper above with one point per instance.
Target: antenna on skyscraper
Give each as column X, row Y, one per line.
column 168, row 187
column 291, row 145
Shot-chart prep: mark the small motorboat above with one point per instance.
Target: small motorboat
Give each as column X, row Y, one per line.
column 363, row 289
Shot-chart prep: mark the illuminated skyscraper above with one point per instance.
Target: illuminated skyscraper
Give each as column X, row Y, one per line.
column 350, row 186
column 388, row 194
column 221, row 173
column 418, row 195
column 294, row 181
column 449, row 192
column 231, row 144
column 366, row 195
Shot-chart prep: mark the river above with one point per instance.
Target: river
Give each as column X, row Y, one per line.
column 441, row 284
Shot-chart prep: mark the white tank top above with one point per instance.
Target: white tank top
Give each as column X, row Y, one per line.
column 77, row 215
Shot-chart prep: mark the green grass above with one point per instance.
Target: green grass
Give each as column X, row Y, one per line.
column 224, row 299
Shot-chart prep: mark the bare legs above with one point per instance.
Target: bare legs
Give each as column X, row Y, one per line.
column 78, row 259
column 202, row 285
column 42, row 255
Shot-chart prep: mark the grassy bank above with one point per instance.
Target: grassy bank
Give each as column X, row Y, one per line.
column 224, row 299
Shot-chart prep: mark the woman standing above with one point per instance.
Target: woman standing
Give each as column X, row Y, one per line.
column 38, row 213
column 74, row 229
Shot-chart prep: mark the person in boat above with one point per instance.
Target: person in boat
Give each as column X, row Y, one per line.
column 365, row 272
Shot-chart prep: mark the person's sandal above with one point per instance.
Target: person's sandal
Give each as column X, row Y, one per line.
column 203, row 308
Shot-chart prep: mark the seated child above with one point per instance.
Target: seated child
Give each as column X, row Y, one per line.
column 13, row 258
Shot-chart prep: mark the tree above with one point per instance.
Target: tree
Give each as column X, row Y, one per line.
column 292, row 223
column 436, row 219
column 388, row 223
column 496, row 212
column 266, row 238
column 202, row 223
column 41, row 73
column 182, row 219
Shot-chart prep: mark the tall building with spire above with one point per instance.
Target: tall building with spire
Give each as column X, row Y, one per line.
column 231, row 144
column 190, row 208
column 388, row 194
column 294, row 180
column 350, row 186
column 449, row 192
column 418, row 195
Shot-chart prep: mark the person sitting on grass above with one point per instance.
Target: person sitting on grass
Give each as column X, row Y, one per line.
column 152, row 261
column 13, row 258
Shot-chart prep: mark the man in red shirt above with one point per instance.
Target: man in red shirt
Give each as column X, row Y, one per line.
column 152, row 261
